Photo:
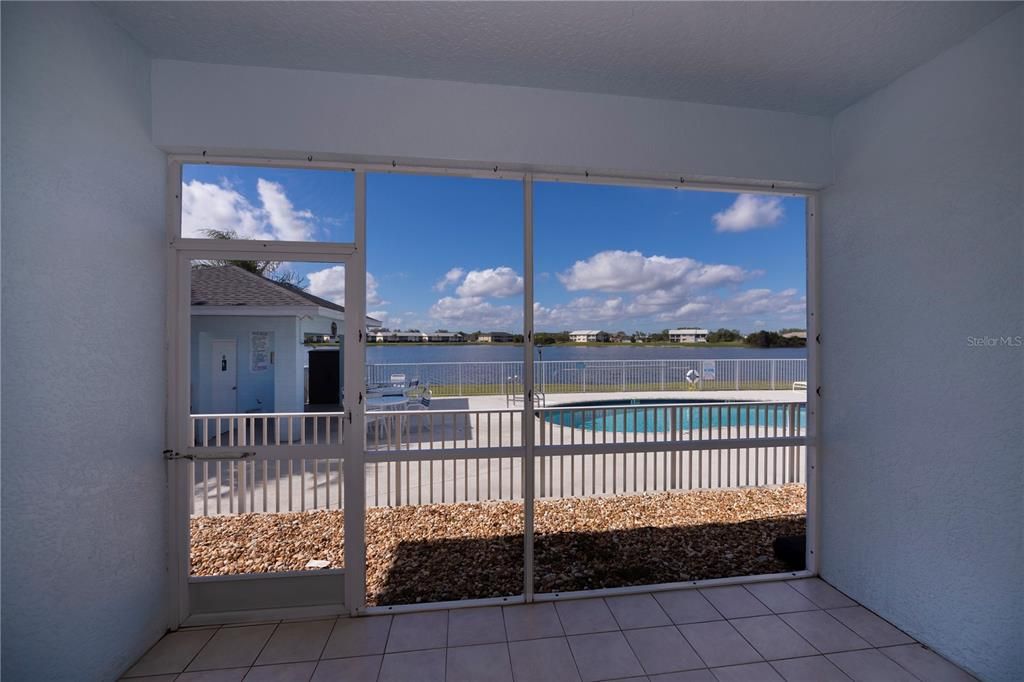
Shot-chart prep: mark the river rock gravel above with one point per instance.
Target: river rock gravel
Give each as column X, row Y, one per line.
column 445, row 552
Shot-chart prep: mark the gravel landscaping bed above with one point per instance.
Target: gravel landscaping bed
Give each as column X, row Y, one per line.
column 458, row 551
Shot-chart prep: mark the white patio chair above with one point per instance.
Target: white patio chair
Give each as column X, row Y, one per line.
column 419, row 403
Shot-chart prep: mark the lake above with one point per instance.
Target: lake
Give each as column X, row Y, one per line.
column 412, row 353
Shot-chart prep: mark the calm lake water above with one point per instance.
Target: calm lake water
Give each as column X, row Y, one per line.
column 409, row 353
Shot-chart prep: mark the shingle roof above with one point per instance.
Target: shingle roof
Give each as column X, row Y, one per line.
column 230, row 285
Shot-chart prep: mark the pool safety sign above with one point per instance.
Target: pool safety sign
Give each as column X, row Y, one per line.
column 708, row 373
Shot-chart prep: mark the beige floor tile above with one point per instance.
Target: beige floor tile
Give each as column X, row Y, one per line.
column 750, row 672
column 531, row 621
column 479, row 663
column 543, row 660
column 282, row 672
column 220, row 675
column 414, row 631
column 876, row 631
column 825, row 633
column 703, row 675
column 604, row 656
column 772, row 637
column 733, row 601
column 719, row 644
column 662, row 650
column 780, row 597
column 870, row 666
column 421, row 666
column 633, row 611
column 172, row 654
column 809, row 669
column 355, row 669
column 294, row 642
column 821, row 593
column 687, row 606
column 363, row 636
column 926, row 664
column 583, row 616
column 232, row 648
column 476, row 626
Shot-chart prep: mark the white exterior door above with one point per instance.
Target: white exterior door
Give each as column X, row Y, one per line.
column 224, row 376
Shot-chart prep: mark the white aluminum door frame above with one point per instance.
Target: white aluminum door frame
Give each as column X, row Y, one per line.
column 181, row 252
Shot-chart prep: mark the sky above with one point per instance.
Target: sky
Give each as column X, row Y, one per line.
column 447, row 253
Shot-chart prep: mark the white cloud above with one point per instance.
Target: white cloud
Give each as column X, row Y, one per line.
column 500, row 282
column 450, row 278
column 286, row 222
column 206, row 206
column 386, row 319
column 474, row 312
column 787, row 304
column 329, row 283
column 631, row 271
column 687, row 311
column 749, row 212
column 579, row 312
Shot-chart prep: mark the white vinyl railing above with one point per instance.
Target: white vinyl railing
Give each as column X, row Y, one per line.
column 570, row 376
column 438, row 456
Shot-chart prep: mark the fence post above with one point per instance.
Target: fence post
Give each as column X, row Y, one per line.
column 460, row 379
column 622, row 370
column 736, row 372
column 773, row 373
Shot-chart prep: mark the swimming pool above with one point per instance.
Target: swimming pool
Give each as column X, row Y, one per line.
column 640, row 415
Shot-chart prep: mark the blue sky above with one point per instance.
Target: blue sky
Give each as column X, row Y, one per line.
column 447, row 252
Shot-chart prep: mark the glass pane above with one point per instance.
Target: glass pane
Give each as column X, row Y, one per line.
column 263, row 203
column 266, row 370
column 445, row 514
column 666, row 318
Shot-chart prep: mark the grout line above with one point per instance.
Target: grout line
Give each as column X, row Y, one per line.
column 910, row 672
column 749, row 643
column 690, row 644
column 326, row 641
column 260, row 652
column 194, row 657
column 793, row 658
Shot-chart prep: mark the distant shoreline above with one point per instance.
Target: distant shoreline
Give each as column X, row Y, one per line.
column 595, row 344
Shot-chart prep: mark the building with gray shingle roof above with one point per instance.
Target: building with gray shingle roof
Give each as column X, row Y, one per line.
column 248, row 340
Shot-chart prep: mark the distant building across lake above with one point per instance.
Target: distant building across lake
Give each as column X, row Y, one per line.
column 588, row 336
column 496, row 337
column 688, row 335
column 416, row 337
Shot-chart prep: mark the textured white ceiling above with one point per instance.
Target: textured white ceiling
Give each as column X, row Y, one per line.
column 806, row 57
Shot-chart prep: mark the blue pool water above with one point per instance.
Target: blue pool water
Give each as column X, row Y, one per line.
column 654, row 416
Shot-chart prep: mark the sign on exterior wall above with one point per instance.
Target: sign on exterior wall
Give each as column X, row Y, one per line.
column 709, row 371
column 259, row 351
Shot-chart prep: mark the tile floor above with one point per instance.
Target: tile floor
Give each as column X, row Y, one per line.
column 794, row 630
